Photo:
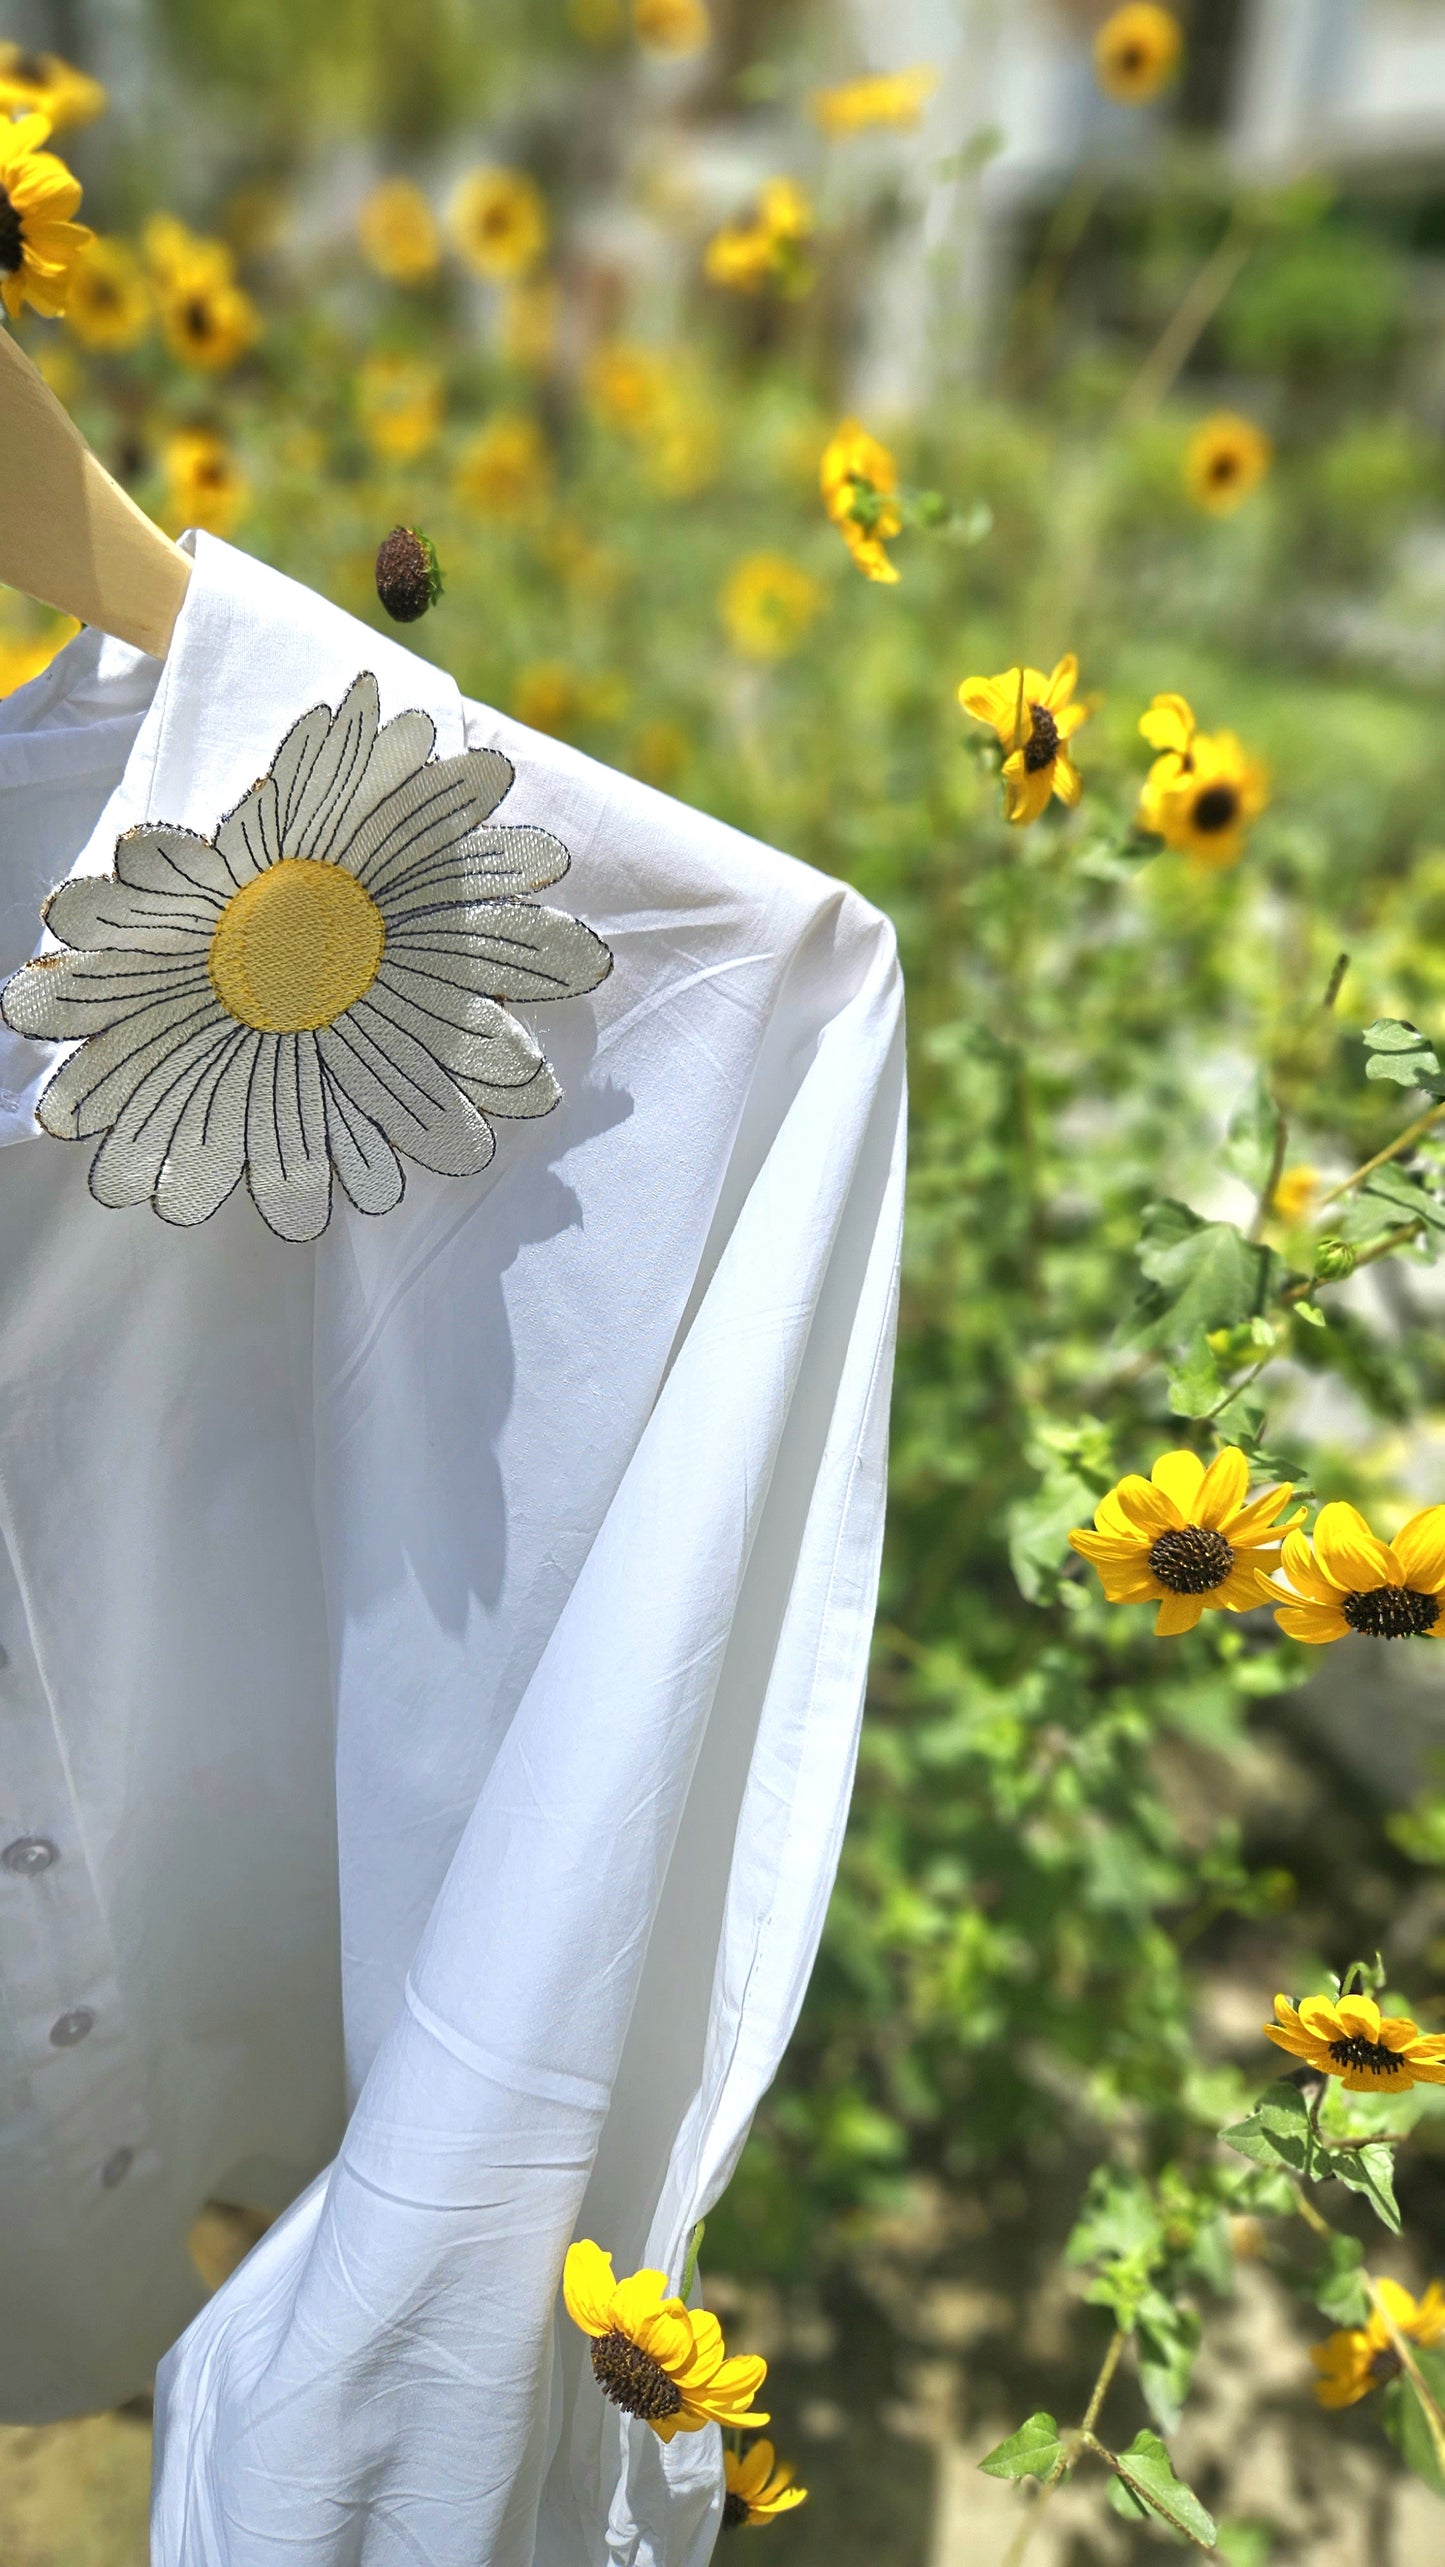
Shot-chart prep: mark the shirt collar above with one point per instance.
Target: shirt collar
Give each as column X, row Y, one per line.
column 251, row 651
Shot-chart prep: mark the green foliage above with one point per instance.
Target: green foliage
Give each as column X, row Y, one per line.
column 1146, row 2486
column 1033, row 2452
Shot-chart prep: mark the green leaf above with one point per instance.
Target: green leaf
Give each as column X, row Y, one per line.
column 1399, row 1051
column 1246, row 2544
column 1407, row 2424
column 1038, row 1530
column 1195, row 1386
column 1336, row 2287
column 1253, row 1134
column 1370, row 2171
column 1201, row 1275
column 1166, row 2348
column 1277, row 2132
column 1032, row 2452
column 1148, row 2473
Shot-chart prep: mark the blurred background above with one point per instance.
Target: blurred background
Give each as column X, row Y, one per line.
column 583, row 288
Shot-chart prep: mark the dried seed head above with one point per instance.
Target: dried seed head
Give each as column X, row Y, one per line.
column 408, row 574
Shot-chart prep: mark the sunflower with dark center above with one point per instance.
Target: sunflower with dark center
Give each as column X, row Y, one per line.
column 1348, row 2037
column 1034, row 720
column 1204, row 789
column 654, row 2357
column 1343, row 1578
column 1187, row 1538
column 1227, row 459
column 1356, row 2359
column 758, row 2488
column 1137, row 51
column 39, row 243
column 47, row 86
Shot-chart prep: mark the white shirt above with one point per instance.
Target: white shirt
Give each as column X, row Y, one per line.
column 433, row 1659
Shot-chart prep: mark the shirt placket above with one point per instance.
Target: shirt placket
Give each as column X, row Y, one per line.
column 71, row 2093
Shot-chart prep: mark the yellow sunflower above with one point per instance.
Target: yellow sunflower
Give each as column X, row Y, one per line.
column 629, row 387
column 1137, row 51
column 767, row 605
column 1035, row 720
column 399, row 406
column 1168, row 726
column 895, row 98
column 1186, row 1537
column 109, row 303
column 1295, row 1192
column 398, row 233
column 859, row 479
column 1344, row 1579
column 1204, row 805
column 506, row 470
column 1227, row 458
column 671, row 26
column 49, row 87
column 39, row 243
column 499, row 222
column 1348, row 2037
column 204, row 485
column 758, row 2488
column 1356, row 2359
column 654, row 2357
column 207, row 319
column 744, row 257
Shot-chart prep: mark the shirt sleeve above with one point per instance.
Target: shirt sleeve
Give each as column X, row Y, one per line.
column 622, row 1941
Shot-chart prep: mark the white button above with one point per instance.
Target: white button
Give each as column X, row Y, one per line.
column 116, row 2168
column 29, row 1854
column 70, row 2028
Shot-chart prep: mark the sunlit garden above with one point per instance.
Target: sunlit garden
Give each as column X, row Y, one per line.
column 1067, row 579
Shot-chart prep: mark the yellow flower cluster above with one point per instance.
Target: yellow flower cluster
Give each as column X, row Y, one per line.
column 506, row 470
column 1194, row 1540
column 204, row 485
column 745, row 257
column 767, row 605
column 859, row 481
column 42, row 84
column 1227, row 458
column 651, row 396
column 671, row 26
column 26, row 653
column 207, row 319
column 497, row 218
column 1203, row 789
column 893, row 98
column 399, row 406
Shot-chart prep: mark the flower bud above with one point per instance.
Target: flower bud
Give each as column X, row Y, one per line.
column 408, row 574
column 1334, row 1259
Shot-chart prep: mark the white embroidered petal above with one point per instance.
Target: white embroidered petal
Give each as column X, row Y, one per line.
column 248, row 840
column 126, row 1168
column 489, row 1046
column 418, row 1106
column 402, row 747
column 361, row 1154
column 428, row 815
column 514, row 948
column 174, row 861
column 90, row 1087
column 494, row 861
column 65, row 996
column 208, row 1150
column 99, row 915
column 536, row 1095
column 336, row 768
column 287, row 1166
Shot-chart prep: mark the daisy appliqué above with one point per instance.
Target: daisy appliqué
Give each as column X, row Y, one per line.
column 318, row 989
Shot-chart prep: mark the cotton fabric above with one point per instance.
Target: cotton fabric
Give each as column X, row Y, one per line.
column 433, row 1664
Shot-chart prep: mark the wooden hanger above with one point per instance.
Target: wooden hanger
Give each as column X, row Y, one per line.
column 69, row 535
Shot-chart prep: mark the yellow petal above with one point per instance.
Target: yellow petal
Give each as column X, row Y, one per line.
column 1348, row 1551
column 1069, row 719
column 638, row 2297
column 1224, row 1487
column 667, row 2335
column 1141, row 1506
column 1315, row 1624
column 1025, row 794
column 1168, row 724
column 1360, row 2017
column 1419, row 1547
column 989, row 699
column 1319, row 2017
column 1177, row 1613
column 1061, row 682
column 587, row 2287
column 1068, row 783
column 1181, row 1476
column 751, row 2474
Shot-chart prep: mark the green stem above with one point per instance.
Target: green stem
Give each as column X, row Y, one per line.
column 1165, row 363
column 689, row 2270
column 1070, row 2450
column 1393, row 1150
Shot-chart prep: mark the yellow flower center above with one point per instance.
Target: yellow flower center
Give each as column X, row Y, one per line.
column 12, row 236
column 296, row 947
